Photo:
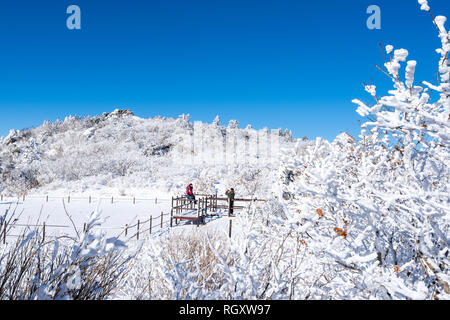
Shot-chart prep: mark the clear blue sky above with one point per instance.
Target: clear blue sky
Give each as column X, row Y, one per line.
column 289, row 64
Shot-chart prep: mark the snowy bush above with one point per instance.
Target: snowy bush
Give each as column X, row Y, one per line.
column 174, row 266
column 376, row 209
column 87, row 268
column 262, row 260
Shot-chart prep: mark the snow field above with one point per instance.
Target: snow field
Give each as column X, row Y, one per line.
column 116, row 215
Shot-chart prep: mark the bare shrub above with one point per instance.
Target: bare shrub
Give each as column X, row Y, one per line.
column 90, row 267
column 179, row 266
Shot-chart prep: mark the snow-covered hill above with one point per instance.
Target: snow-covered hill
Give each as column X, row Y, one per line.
column 120, row 153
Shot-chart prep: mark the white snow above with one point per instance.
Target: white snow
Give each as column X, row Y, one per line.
column 363, row 217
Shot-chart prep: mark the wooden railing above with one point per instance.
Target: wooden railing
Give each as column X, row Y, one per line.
column 205, row 205
column 201, row 206
column 141, row 227
column 69, row 198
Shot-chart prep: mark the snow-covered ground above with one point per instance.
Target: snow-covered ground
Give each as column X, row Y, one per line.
column 55, row 212
column 62, row 214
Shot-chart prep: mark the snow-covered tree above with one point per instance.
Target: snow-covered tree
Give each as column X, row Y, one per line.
column 233, row 124
column 216, row 121
column 376, row 209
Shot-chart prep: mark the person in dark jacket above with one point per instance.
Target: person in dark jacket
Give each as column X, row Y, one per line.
column 230, row 195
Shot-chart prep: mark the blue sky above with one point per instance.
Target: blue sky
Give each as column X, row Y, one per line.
column 289, row 64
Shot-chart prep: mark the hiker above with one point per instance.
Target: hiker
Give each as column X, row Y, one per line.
column 190, row 193
column 230, row 195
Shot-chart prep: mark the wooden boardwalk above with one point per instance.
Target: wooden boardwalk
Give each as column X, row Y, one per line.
column 205, row 205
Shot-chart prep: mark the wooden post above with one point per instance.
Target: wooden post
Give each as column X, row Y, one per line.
column 23, row 199
column 171, row 218
column 156, row 200
column 43, row 232
column 229, row 207
column 162, row 216
column 84, row 227
column 198, row 212
column 229, row 231
column 202, row 210
column 134, row 200
column 46, row 198
column 126, row 230
column 68, row 199
column 137, row 234
column 90, row 199
column 151, row 220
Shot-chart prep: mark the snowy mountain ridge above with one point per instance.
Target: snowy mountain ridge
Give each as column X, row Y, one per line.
column 120, row 150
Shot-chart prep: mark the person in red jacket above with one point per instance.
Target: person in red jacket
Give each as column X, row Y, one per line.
column 190, row 192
